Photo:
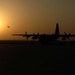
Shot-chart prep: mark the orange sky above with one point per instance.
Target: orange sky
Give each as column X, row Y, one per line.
column 36, row 16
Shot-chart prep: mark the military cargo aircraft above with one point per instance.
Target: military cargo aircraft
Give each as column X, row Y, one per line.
column 47, row 37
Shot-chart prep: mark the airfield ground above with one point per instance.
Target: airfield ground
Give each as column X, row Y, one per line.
column 36, row 59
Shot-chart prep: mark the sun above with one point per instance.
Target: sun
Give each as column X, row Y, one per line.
column 1, row 23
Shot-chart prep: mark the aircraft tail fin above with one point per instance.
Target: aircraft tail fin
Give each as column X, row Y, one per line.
column 57, row 29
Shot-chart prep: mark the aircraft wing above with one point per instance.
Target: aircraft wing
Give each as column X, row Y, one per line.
column 42, row 35
column 22, row 34
column 33, row 36
column 36, row 36
column 66, row 35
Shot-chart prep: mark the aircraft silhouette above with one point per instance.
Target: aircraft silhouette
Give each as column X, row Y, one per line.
column 47, row 37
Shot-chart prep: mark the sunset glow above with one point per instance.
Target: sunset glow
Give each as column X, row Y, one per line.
column 36, row 16
column 1, row 23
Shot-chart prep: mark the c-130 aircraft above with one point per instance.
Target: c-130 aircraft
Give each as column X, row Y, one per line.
column 47, row 37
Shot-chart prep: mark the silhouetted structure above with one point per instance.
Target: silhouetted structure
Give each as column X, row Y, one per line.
column 47, row 38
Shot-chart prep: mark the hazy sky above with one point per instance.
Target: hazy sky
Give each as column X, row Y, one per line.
column 36, row 16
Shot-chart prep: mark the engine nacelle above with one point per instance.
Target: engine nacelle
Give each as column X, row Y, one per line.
column 64, row 38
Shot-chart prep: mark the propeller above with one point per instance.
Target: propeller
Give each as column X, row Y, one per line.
column 37, row 33
column 67, row 36
column 26, row 35
column 35, row 36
